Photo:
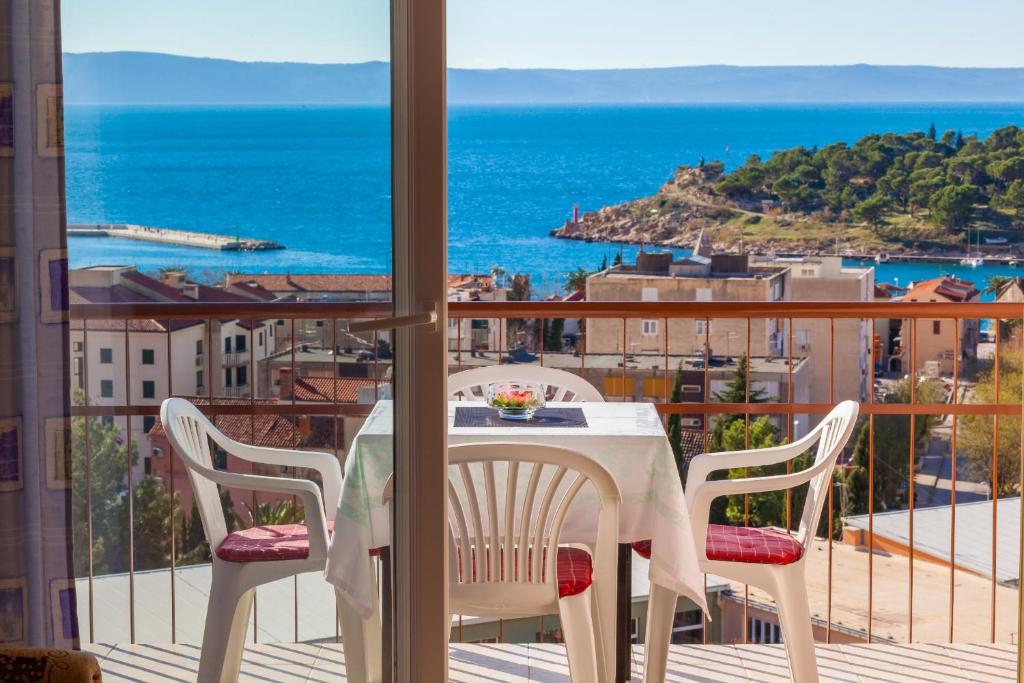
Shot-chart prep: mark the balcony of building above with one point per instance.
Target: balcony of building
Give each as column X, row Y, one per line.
column 938, row 603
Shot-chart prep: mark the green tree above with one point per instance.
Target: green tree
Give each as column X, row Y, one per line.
column 952, row 205
column 553, row 331
column 675, row 425
column 765, row 509
column 576, row 280
column 283, row 511
column 99, row 470
column 977, row 435
column 872, row 210
column 931, row 132
column 892, row 451
column 1013, row 198
column 995, row 284
column 153, row 513
column 100, row 459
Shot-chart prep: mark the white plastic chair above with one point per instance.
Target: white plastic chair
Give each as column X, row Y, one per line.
column 770, row 560
column 246, row 559
column 505, row 559
column 471, row 385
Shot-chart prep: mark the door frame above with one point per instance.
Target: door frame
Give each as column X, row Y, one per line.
column 420, row 283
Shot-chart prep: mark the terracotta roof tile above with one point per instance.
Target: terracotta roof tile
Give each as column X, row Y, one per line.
column 951, row 289
column 345, row 282
column 322, row 389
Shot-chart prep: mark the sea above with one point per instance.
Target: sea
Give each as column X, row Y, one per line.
column 317, row 179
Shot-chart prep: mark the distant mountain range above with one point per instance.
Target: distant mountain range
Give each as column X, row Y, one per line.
column 153, row 78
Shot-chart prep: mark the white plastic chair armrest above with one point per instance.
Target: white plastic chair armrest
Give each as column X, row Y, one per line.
column 706, row 463
column 303, row 489
column 705, row 493
column 324, row 463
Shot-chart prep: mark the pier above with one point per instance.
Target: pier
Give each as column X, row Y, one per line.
column 181, row 238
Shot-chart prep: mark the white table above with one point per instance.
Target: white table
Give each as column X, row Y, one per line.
column 627, row 438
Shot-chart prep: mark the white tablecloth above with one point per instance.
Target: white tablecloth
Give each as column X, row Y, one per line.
column 627, row 438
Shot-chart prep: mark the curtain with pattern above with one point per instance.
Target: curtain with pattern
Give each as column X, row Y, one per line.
column 37, row 596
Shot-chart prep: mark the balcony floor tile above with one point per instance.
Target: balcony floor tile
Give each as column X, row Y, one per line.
column 517, row 663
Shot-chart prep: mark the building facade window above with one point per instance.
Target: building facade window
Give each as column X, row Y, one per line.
column 227, row 344
column 147, row 422
column 199, row 380
column 149, row 389
column 239, row 342
column 107, row 388
column 227, row 377
column 700, row 327
column 261, row 339
column 936, row 327
column 650, row 328
column 199, row 347
column 688, row 627
column 241, row 376
column 106, row 356
column 763, row 632
column 148, row 357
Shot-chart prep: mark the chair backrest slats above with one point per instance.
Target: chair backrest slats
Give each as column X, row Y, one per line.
column 833, row 433
column 526, row 555
column 189, row 432
column 560, row 385
column 462, row 537
column 527, row 516
column 478, row 558
column 494, row 562
column 541, row 530
column 510, row 518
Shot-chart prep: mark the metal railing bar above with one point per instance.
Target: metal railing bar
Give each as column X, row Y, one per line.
column 131, row 488
column 910, row 485
column 831, row 482
column 88, row 484
column 995, row 483
column 871, row 484
column 952, row 490
column 549, row 309
column 170, row 464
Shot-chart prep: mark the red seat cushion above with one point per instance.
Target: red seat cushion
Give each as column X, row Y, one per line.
column 263, row 543
column 574, row 567
column 742, row 544
column 270, row 542
column 642, row 548
column 575, row 570
column 751, row 545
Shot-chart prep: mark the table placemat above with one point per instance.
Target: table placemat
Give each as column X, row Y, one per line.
column 476, row 416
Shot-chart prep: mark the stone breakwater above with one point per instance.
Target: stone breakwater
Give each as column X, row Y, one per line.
column 183, row 238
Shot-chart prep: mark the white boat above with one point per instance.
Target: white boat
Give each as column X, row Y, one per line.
column 972, row 261
column 996, row 240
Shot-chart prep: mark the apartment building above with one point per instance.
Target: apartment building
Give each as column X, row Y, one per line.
column 469, row 335
column 731, row 277
column 657, row 277
column 939, row 340
column 824, row 278
column 158, row 357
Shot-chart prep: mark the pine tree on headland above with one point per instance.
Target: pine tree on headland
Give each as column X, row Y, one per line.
column 931, row 132
column 604, row 263
column 617, row 261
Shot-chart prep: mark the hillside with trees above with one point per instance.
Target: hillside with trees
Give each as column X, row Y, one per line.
column 914, row 192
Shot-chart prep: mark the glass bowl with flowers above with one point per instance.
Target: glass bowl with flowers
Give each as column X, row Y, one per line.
column 515, row 400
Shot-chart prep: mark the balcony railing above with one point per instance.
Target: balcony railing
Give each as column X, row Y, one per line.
column 804, row 381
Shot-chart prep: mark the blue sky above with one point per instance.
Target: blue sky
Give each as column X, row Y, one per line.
column 568, row 33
